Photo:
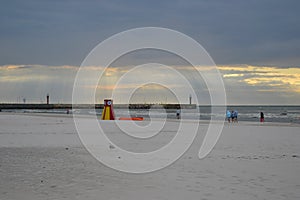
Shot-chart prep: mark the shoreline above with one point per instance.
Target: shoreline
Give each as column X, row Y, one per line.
column 200, row 121
column 280, row 114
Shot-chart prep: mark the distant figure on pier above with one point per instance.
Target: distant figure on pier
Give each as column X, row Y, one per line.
column 47, row 98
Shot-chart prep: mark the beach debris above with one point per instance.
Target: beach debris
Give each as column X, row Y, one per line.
column 111, row 146
column 132, row 118
column 67, row 148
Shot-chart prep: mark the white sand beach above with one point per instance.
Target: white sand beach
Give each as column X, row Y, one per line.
column 41, row 157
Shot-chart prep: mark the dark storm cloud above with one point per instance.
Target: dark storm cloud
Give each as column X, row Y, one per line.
column 63, row 32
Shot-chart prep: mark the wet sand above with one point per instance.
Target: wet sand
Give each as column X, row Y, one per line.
column 41, row 157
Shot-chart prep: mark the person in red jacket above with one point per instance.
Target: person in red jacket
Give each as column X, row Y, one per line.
column 262, row 117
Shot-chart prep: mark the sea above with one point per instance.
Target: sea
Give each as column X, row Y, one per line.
column 278, row 113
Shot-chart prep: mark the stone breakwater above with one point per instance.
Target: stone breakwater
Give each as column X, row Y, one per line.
column 97, row 106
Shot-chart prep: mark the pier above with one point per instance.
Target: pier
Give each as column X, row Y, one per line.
column 91, row 106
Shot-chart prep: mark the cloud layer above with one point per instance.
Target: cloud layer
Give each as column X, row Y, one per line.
column 245, row 84
column 63, row 32
column 56, row 36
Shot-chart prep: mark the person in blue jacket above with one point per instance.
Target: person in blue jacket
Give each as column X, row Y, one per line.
column 235, row 116
column 228, row 115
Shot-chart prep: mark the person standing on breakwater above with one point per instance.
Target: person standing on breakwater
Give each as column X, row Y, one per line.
column 262, row 117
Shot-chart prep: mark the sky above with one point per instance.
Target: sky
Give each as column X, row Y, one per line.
column 255, row 45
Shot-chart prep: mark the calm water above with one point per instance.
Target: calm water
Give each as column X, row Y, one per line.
column 272, row 113
column 246, row 113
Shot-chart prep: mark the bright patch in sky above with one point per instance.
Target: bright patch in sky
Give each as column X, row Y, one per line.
column 245, row 84
column 278, row 79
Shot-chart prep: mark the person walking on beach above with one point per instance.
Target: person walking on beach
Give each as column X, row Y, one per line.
column 228, row 115
column 178, row 113
column 262, row 117
column 234, row 116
